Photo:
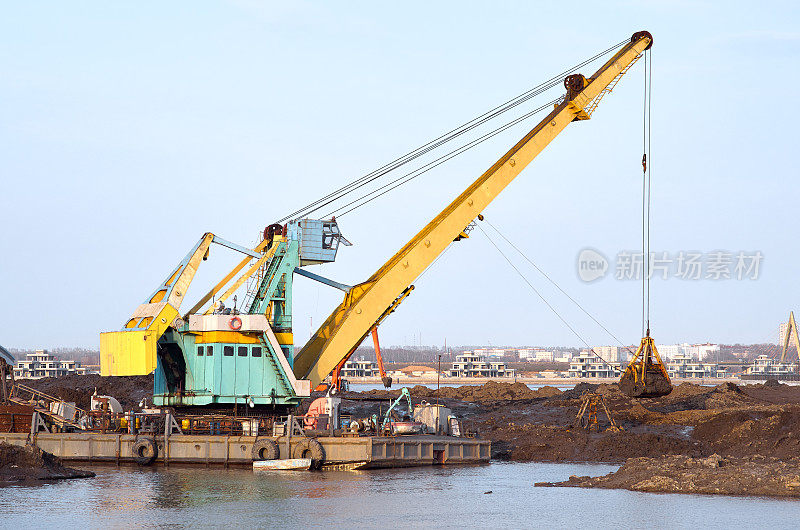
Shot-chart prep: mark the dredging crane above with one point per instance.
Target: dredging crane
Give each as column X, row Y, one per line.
column 215, row 354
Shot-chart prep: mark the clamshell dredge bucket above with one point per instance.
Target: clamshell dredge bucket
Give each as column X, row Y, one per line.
column 645, row 376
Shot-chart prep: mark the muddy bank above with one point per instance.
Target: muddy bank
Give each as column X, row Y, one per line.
column 694, row 421
column 755, row 420
column 30, row 466
column 752, row 476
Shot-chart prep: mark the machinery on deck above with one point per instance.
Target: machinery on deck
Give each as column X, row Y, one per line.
column 226, row 355
column 396, row 423
column 245, row 355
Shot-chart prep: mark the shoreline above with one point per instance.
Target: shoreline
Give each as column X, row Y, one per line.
column 544, row 381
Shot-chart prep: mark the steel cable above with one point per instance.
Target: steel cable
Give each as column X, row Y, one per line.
column 437, row 142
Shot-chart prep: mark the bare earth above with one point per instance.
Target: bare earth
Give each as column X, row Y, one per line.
column 755, row 475
column 755, row 429
column 30, row 465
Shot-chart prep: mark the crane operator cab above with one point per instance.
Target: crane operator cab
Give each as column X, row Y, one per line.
column 319, row 239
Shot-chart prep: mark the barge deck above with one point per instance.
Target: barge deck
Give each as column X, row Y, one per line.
column 362, row 452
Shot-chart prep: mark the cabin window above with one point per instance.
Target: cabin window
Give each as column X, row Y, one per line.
column 242, row 351
column 209, row 351
column 227, row 351
column 255, row 351
column 199, row 351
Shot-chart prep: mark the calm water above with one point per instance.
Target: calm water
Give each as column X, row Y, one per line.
column 417, row 497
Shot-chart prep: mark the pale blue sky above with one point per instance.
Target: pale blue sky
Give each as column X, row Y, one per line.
column 128, row 130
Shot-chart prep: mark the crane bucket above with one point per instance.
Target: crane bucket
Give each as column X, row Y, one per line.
column 645, row 376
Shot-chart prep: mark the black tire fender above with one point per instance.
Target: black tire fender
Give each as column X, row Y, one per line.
column 145, row 451
column 265, row 449
column 310, row 448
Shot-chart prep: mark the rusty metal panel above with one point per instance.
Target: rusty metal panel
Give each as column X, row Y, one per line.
column 15, row 418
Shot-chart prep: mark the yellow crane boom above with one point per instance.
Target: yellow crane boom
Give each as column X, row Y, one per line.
column 365, row 303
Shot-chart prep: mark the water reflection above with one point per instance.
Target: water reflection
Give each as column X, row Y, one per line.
column 415, row 497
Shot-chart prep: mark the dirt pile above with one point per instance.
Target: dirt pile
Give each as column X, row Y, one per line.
column 30, row 465
column 490, row 391
column 129, row 391
column 772, row 431
column 755, row 475
column 548, row 443
column 695, row 421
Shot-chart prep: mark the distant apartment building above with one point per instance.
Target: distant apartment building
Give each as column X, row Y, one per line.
column 699, row 352
column 534, row 355
column 704, row 352
column 783, row 329
column 474, row 364
column 612, row 354
column 497, row 353
column 588, row 365
column 684, row 366
column 360, row 368
column 42, row 364
column 670, row 351
column 765, row 367
column 563, row 357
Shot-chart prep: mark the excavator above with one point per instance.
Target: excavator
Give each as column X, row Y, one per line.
column 216, row 355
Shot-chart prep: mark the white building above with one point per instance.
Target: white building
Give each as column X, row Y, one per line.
column 612, row 354
column 360, row 368
column 783, row 329
column 41, row 364
column 698, row 352
column 685, row 367
column 497, row 353
column 587, row 364
column 563, row 357
column 534, row 355
column 764, row 366
column 704, row 352
column 670, row 351
column 471, row 364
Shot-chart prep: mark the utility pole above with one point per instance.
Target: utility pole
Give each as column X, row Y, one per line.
column 438, row 375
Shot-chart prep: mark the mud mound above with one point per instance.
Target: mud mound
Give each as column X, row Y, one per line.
column 727, row 387
column 770, row 431
column 685, row 390
column 547, row 443
column 728, row 395
column 31, row 465
column 490, row 391
column 773, row 383
column 579, row 390
column 129, row 391
column 757, row 476
column 689, row 396
column 773, row 391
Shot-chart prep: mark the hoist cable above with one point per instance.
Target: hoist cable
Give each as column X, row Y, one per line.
column 644, row 189
column 542, row 298
column 454, row 133
column 548, row 278
column 649, row 169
